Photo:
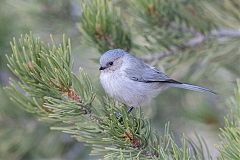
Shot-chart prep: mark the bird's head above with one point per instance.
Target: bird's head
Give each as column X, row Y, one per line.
column 111, row 60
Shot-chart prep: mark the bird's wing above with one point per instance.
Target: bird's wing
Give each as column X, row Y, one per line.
column 141, row 72
column 147, row 74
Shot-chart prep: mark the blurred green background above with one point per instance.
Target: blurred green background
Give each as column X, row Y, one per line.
column 22, row 136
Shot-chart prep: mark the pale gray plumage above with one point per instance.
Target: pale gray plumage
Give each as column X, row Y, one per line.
column 129, row 80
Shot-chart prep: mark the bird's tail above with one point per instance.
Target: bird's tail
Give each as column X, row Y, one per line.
column 191, row 87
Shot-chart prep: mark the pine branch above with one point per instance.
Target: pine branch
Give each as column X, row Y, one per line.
column 194, row 42
column 168, row 24
column 178, row 26
column 230, row 135
column 49, row 89
column 102, row 25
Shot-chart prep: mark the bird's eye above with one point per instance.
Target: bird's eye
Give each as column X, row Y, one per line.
column 110, row 63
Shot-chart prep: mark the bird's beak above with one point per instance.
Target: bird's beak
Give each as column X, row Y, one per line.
column 102, row 68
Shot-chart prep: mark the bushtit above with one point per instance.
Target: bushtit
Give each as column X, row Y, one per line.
column 129, row 80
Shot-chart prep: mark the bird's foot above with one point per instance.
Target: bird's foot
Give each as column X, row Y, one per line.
column 130, row 109
column 119, row 115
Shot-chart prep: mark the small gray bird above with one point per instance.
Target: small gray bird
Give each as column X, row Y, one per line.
column 132, row 82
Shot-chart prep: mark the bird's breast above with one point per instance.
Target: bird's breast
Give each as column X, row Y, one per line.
column 127, row 91
column 112, row 83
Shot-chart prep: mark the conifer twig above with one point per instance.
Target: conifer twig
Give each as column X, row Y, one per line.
column 198, row 39
column 50, row 90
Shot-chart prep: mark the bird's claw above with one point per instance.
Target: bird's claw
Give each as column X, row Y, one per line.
column 119, row 115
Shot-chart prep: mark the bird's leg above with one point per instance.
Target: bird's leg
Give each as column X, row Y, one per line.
column 119, row 116
column 130, row 109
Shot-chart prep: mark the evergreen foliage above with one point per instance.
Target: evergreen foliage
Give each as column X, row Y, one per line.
column 230, row 134
column 101, row 23
column 71, row 103
column 47, row 88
